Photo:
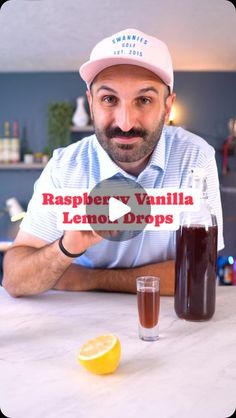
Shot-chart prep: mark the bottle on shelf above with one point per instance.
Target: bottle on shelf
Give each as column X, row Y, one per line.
column 6, row 143
column 15, row 144
column 26, row 155
column 196, row 257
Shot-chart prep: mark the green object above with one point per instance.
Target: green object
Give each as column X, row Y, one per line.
column 59, row 122
column 46, row 151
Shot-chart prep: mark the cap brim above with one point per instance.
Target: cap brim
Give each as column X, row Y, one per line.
column 90, row 69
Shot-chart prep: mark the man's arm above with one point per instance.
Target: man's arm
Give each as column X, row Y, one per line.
column 28, row 270
column 117, row 280
column 31, row 266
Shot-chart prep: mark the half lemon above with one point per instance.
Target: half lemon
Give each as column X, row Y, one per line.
column 101, row 355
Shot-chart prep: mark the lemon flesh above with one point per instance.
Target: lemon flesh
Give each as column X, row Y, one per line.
column 101, row 355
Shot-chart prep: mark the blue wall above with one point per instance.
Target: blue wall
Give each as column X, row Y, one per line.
column 206, row 101
column 25, row 98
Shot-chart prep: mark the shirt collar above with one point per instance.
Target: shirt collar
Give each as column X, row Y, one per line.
column 108, row 168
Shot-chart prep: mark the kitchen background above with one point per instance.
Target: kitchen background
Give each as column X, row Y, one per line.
column 43, row 43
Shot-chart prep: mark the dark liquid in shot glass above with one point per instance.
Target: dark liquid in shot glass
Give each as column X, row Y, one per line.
column 148, row 307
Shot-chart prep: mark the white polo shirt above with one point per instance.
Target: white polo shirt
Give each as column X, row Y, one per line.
column 85, row 163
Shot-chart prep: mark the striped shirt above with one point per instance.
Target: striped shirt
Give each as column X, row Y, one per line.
column 85, row 163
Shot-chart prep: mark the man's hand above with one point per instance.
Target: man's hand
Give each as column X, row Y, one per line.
column 76, row 242
column 79, row 241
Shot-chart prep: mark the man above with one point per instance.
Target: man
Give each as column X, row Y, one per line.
column 130, row 93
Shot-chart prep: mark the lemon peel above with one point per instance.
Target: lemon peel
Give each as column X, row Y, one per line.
column 101, row 355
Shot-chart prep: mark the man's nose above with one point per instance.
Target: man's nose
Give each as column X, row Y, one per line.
column 125, row 117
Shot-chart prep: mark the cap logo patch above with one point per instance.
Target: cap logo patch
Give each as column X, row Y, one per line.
column 127, row 46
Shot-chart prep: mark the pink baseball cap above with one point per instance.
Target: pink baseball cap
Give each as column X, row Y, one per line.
column 130, row 46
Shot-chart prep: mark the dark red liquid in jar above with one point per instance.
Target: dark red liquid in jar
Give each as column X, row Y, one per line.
column 195, row 272
column 148, row 307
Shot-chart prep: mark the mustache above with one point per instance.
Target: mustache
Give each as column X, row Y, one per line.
column 132, row 133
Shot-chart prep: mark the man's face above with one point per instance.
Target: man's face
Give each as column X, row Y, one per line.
column 129, row 107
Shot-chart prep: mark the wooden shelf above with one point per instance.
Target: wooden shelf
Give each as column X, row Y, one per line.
column 21, row 166
column 87, row 128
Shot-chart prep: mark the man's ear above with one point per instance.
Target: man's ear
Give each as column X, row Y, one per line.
column 90, row 100
column 168, row 105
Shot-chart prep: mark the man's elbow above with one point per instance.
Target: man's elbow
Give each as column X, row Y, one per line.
column 10, row 287
column 9, row 276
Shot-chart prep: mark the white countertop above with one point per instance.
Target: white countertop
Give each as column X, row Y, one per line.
column 189, row 372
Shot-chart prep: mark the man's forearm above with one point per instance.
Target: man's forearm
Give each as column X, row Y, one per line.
column 33, row 270
column 116, row 280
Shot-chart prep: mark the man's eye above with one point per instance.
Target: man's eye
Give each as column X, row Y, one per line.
column 109, row 99
column 144, row 100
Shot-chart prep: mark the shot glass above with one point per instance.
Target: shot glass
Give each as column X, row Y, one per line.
column 148, row 299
